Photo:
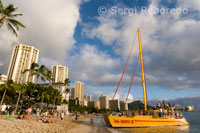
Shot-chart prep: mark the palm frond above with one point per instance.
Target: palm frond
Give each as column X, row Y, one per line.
column 15, row 15
column 1, row 7
column 43, row 79
column 34, row 65
column 2, row 86
column 15, row 23
column 26, row 70
column 11, row 28
column 9, row 10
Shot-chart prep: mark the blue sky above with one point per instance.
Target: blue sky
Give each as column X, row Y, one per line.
column 95, row 46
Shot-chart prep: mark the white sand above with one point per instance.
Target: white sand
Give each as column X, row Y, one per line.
column 68, row 125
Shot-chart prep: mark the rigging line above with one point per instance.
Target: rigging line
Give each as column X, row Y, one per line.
column 124, row 69
column 132, row 79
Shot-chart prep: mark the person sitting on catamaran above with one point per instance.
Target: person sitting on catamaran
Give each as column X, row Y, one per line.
column 161, row 112
column 158, row 105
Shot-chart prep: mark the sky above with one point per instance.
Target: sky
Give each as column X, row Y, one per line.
column 93, row 38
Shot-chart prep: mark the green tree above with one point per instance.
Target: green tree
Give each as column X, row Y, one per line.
column 40, row 95
column 56, row 96
column 40, row 73
column 67, row 82
column 47, row 75
column 19, row 88
column 67, row 90
column 7, row 16
column 32, row 71
column 29, row 96
column 6, row 86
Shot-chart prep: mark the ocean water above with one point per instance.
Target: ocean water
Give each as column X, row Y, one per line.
column 192, row 117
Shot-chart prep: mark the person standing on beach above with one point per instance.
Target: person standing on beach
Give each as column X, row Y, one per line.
column 62, row 115
column 76, row 116
column 3, row 108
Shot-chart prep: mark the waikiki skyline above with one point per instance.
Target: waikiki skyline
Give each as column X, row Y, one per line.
column 95, row 46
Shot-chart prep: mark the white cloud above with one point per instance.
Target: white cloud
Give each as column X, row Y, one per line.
column 130, row 98
column 193, row 4
column 101, row 32
column 172, row 44
column 121, row 97
column 7, row 39
column 93, row 66
column 50, row 27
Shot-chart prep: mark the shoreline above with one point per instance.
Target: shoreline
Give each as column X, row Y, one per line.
column 83, row 126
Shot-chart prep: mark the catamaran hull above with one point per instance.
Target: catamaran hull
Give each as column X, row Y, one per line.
column 143, row 121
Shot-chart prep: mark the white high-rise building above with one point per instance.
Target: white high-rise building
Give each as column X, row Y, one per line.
column 22, row 58
column 87, row 97
column 123, row 106
column 59, row 73
column 104, row 102
column 77, row 92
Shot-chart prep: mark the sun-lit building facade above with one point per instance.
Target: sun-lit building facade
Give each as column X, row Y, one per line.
column 59, row 74
column 104, row 102
column 22, row 58
column 78, row 92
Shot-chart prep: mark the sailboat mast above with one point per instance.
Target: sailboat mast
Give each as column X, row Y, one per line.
column 142, row 70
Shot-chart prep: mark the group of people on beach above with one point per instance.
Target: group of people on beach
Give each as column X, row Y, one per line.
column 44, row 115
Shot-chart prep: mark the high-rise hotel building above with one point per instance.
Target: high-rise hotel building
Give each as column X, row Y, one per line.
column 59, row 74
column 77, row 92
column 87, row 98
column 22, row 58
column 104, row 102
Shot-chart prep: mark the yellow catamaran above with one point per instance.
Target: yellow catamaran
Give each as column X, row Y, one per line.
column 144, row 120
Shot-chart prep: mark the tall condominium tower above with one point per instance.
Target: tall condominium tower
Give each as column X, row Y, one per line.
column 114, row 105
column 87, row 98
column 59, row 73
column 22, row 58
column 123, row 106
column 77, row 91
column 104, row 102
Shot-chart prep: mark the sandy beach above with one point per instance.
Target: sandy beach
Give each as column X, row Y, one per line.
column 68, row 125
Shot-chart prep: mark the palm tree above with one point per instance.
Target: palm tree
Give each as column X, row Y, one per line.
column 55, row 95
column 32, row 70
column 43, row 94
column 40, row 73
column 47, row 75
column 30, row 94
column 67, row 82
column 67, row 90
column 7, row 85
column 19, row 88
column 7, row 15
